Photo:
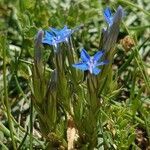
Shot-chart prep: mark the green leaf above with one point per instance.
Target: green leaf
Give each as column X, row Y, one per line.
column 131, row 139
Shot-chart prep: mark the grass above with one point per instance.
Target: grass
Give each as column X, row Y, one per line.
column 124, row 115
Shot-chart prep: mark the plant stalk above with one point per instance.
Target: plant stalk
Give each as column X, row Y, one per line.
column 8, row 107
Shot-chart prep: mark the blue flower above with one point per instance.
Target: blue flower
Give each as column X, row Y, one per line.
column 90, row 63
column 108, row 16
column 111, row 18
column 55, row 36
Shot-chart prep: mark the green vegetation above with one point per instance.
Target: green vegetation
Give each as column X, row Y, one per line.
column 28, row 121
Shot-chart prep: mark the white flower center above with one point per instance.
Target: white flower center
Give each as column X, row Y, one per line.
column 91, row 64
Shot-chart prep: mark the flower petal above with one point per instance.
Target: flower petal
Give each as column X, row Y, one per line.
column 82, row 66
column 107, row 12
column 48, row 38
column 96, row 71
column 98, row 55
column 85, row 56
column 108, row 16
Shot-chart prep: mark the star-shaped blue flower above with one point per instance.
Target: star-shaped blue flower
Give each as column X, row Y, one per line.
column 90, row 63
column 109, row 17
column 55, row 36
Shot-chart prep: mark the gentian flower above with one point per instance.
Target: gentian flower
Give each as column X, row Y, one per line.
column 111, row 18
column 55, row 36
column 108, row 16
column 110, row 34
column 90, row 63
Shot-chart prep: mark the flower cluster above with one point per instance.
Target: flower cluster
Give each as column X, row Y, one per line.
column 91, row 63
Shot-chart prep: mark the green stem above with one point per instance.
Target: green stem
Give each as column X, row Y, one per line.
column 23, row 140
column 8, row 108
column 24, row 98
column 31, row 126
column 134, row 5
column 133, row 83
column 3, row 146
column 7, row 132
column 139, row 28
